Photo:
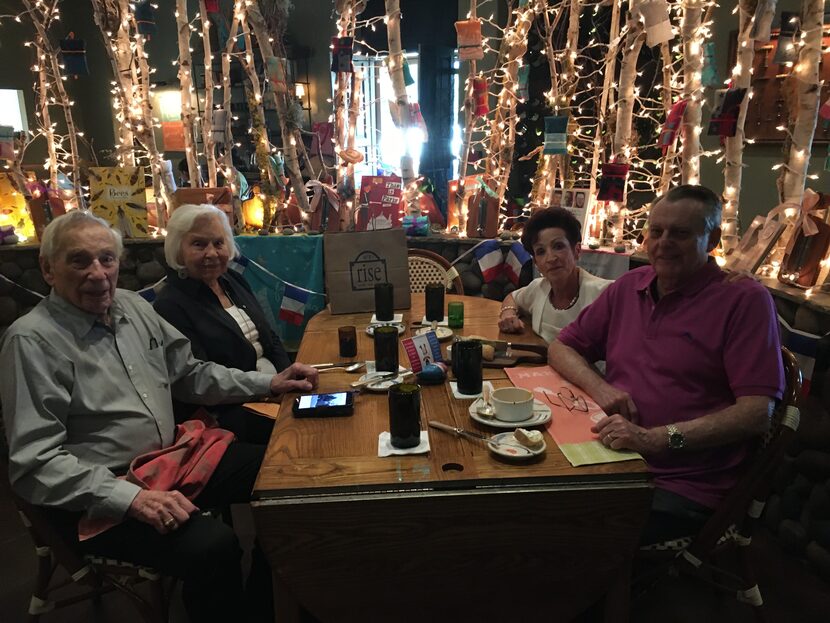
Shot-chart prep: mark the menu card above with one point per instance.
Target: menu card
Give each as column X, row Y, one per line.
column 573, row 413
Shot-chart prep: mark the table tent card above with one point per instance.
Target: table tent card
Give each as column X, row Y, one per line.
column 117, row 196
column 573, row 415
column 422, row 350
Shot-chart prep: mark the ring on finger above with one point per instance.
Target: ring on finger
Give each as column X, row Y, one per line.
column 169, row 523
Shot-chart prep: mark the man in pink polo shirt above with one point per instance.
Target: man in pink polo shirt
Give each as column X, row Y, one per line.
column 693, row 362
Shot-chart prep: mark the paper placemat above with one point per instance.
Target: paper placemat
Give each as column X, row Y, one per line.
column 396, row 319
column 456, row 394
column 441, row 323
column 265, row 409
column 385, row 447
column 593, row 452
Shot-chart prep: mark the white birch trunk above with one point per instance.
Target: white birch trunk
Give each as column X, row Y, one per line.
column 393, row 32
column 734, row 145
column 692, row 89
column 230, row 172
column 186, row 86
column 46, row 117
column 469, row 122
column 289, row 142
column 207, row 117
column 802, row 129
column 671, row 154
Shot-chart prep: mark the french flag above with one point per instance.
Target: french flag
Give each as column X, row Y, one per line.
column 517, row 257
column 293, row 304
column 490, row 259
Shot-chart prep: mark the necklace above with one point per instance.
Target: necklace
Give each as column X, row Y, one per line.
column 573, row 300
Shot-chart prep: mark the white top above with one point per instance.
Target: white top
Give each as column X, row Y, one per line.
column 547, row 321
column 251, row 334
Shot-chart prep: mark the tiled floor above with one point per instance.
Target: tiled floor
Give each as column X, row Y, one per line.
column 791, row 591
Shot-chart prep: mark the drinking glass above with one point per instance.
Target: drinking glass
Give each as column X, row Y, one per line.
column 466, row 366
column 386, row 349
column 347, row 337
column 405, row 415
column 434, row 296
column 455, row 314
column 384, row 302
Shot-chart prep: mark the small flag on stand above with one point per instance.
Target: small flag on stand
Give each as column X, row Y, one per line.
column 517, row 257
column 490, row 259
column 293, row 304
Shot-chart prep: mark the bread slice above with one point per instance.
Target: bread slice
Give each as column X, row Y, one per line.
column 531, row 439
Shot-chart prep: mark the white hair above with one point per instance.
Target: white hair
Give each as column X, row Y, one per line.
column 182, row 222
column 55, row 232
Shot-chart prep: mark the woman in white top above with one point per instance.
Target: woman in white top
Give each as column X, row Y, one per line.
column 552, row 237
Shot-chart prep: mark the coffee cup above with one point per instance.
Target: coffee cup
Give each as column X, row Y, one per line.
column 512, row 404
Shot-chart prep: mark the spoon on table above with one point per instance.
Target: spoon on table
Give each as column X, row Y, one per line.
column 352, row 367
column 486, row 408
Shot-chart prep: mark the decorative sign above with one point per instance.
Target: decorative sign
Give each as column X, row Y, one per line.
column 13, row 208
column 117, row 196
column 380, row 202
column 422, row 350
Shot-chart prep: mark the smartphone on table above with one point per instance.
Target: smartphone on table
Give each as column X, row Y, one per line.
column 324, row 405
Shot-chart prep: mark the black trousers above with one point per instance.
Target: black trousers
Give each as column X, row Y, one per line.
column 204, row 553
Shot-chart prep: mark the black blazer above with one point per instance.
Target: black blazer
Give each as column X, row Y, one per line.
column 191, row 307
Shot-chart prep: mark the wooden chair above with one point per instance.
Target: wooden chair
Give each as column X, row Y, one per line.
column 96, row 575
column 729, row 530
column 428, row 267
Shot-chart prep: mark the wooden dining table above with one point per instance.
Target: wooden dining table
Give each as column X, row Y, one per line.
column 457, row 534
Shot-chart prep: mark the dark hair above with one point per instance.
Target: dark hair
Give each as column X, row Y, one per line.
column 547, row 218
column 709, row 201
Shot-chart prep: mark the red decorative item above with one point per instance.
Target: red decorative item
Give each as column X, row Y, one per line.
column 480, row 95
column 724, row 120
column 612, row 183
column 380, row 202
column 672, row 125
column 824, row 111
column 212, row 6
column 469, row 40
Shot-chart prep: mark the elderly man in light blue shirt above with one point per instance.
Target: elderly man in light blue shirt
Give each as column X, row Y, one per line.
column 89, row 377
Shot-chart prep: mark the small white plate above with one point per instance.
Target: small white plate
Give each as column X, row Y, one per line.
column 383, row 385
column 541, row 415
column 442, row 333
column 370, row 329
column 514, row 450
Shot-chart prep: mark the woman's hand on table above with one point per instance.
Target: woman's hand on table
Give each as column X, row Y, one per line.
column 296, row 377
column 511, row 323
column 618, row 433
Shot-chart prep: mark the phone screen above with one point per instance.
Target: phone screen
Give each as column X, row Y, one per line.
column 313, row 401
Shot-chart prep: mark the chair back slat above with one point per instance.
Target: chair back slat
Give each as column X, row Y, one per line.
column 427, row 267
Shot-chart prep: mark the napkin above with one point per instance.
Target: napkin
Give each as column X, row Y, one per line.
column 441, row 323
column 385, row 447
column 456, row 394
column 396, row 318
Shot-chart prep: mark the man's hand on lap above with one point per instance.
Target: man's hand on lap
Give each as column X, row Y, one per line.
column 166, row 511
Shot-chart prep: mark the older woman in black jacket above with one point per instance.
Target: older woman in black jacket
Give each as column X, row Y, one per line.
column 216, row 309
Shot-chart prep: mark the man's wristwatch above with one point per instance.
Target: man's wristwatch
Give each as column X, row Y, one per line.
column 676, row 438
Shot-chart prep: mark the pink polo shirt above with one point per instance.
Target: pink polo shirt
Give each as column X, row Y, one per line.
column 690, row 354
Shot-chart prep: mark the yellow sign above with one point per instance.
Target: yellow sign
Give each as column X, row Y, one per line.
column 13, row 209
column 117, row 196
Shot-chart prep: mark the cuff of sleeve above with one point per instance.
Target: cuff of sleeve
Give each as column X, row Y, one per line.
column 262, row 383
column 118, row 502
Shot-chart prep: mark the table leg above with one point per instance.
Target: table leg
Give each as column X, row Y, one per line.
column 286, row 606
column 618, row 598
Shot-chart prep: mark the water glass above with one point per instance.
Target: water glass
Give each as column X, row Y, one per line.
column 386, row 349
column 347, row 337
column 384, row 302
column 455, row 314
column 405, row 415
column 466, row 366
column 434, row 297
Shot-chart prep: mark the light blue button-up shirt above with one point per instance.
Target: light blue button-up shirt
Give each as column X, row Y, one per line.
column 82, row 399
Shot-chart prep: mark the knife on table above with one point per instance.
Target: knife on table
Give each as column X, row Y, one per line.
column 504, row 350
column 474, row 435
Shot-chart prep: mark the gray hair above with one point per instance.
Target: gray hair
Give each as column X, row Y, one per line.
column 55, row 232
column 711, row 207
column 181, row 223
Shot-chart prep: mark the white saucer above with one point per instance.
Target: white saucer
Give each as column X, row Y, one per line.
column 541, row 415
column 370, row 329
column 442, row 333
column 515, row 450
column 385, row 384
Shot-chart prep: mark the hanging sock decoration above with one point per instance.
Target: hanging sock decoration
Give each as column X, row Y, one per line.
column 341, row 55
column 556, row 135
column 655, row 15
column 672, row 125
column 73, row 56
column 417, row 119
column 709, row 77
column 274, row 70
column 480, row 97
column 408, row 80
column 212, row 6
column 787, row 51
column 145, row 19
column 522, row 90
column 469, row 40
column 824, row 113
column 612, row 182
column 724, row 120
